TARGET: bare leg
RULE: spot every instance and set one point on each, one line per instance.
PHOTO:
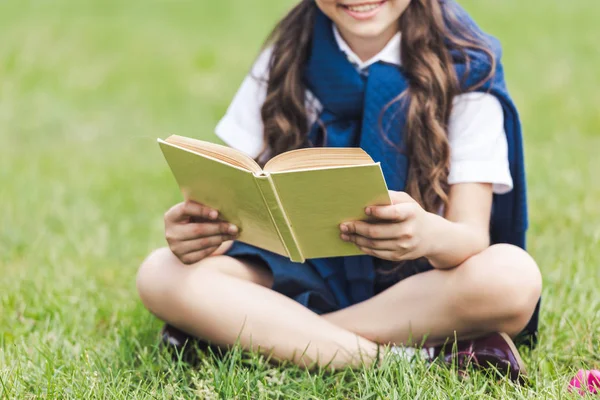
(494, 291)
(224, 300)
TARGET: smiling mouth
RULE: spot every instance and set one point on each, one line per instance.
(363, 7)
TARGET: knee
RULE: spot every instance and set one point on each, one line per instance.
(164, 283)
(151, 281)
(503, 284)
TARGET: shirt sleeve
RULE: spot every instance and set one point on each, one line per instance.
(478, 145)
(242, 127)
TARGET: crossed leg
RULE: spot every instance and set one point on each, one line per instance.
(225, 300)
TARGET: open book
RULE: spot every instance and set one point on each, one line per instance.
(293, 206)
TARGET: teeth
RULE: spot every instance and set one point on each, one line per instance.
(363, 8)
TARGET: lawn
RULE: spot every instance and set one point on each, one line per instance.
(85, 88)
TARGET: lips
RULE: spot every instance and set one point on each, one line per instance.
(363, 7)
(363, 11)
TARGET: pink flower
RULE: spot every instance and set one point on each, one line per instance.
(586, 382)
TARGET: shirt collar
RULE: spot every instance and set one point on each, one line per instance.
(389, 54)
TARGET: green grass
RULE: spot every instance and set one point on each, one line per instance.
(85, 88)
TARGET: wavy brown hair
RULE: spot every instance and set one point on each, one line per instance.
(433, 39)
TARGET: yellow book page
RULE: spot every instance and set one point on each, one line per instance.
(231, 190)
(226, 154)
(317, 201)
(318, 157)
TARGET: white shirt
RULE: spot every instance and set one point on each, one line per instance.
(478, 145)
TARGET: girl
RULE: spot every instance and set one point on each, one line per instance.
(418, 86)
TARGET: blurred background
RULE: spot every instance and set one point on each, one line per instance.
(87, 86)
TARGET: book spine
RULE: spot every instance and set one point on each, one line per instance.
(280, 219)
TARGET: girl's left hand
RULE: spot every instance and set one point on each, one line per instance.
(402, 231)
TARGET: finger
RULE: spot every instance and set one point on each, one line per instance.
(192, 246)
(193, 231)
(371, 230)
(192, 258)
(183, 211)
(375, 244)
(396, 212)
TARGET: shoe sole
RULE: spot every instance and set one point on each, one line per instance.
(513, 348)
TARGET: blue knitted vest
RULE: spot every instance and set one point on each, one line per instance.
(355, 114)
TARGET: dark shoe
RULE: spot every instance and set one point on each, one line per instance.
(496, 351)
(181, 345)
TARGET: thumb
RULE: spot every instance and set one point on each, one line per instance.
(400, 197)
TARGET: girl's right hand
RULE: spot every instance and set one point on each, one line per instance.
(194, 232)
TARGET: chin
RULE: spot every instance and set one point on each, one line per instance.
(366, 31)
(379, 19)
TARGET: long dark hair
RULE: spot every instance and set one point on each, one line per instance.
(431, 34)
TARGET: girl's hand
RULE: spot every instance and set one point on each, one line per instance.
(401, 231)
(194, 232)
